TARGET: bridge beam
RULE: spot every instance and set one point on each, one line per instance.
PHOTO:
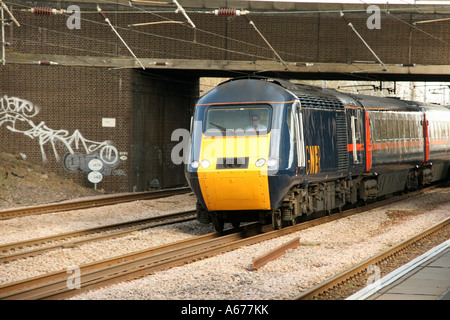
(304, 70)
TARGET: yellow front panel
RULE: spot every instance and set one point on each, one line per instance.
(237, 188)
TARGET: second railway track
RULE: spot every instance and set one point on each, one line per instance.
(325, 289)
(89, 203)
(17, 250)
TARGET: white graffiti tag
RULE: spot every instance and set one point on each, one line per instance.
(16, 113)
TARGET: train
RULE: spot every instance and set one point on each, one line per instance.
(273, 151)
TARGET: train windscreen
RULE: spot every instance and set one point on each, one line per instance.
(242, 120)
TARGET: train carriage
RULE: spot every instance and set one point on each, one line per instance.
(396, 138)
(267, 149)
(436, 121)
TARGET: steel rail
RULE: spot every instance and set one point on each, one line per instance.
(138, 225)
(33, 288)
(361, 268)
(145, 262)
(89, 203)
(135, 265)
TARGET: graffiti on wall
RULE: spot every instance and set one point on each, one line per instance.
(17, 114)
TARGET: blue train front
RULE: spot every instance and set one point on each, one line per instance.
(243, 157)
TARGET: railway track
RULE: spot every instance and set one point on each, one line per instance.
(89, 203)
(322, 289)
(137, 264)
(14, 251)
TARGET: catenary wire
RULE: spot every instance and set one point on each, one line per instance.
(242, 73)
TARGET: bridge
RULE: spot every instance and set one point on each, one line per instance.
(304, 39)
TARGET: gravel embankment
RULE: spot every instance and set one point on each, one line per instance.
(325, 251)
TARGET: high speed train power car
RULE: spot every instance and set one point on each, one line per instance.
(270, 149)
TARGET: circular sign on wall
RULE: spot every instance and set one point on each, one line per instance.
(95, 165)
(95, 177)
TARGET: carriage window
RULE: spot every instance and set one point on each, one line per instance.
(407, 130)
(433, 129)
(384, 132)
(401, 128)
(442, 127)
(390, 129)
(395, 126)
(430, 129)
(242, 120)
(415, 130)
(378, 129)
(372, 128)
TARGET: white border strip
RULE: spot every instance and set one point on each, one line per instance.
(398, 273)
(367, 2)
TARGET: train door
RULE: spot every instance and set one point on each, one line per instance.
(355, 145)
(298, 125)
(426, 138)
(294, 122)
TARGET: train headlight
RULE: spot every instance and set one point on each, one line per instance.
(205, 164)
(272, 162)
(195, 164)
(260, 162)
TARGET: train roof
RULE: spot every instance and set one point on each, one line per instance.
(347, 99)
(386, 103)
(309, 96)
(396, 104)
(325, 98)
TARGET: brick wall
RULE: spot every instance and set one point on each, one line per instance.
(312, 37)
(67, 107)
(72, 110)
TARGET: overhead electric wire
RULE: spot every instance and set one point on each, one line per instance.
(297, 12)
(413, 26)
(204, 31)
(119, 36)
(207, 32)
(218, 35)
(430, 21)
(180, 40)
(365, 43)
(187, 41)
(5, 7)
(90, 39)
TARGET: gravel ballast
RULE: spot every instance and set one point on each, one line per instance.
(325, 250)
